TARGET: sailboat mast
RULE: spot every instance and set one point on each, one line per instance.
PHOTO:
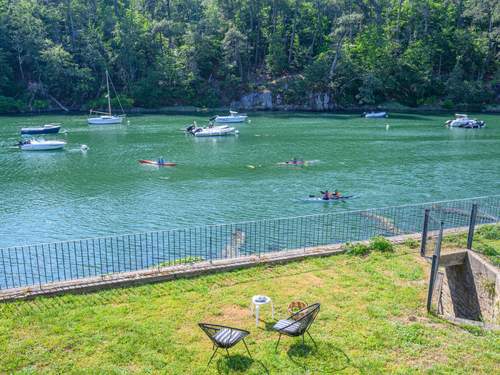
(109, 97)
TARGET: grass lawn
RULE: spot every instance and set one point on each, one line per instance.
(372, 320)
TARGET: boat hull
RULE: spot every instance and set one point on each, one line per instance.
(107, 120)
(377, 115)
(331, 200)
(152, 162)
(34, 131)
(56, 145)
(230, 119)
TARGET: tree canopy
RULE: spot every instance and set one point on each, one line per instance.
(210, 52)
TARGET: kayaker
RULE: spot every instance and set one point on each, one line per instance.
(337, 194)
(327, 195)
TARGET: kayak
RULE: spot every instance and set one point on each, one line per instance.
(331, 200)
(291, 162)
(155, 162)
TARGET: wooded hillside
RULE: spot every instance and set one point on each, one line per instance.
(210, 52)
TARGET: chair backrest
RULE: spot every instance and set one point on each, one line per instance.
(296, 306)
(306, 316)
(212, 329)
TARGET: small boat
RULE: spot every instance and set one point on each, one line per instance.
(46, 129)
(41, 145)
(463, 121)
(233, 117)
(210, 131)
(315, 199)
(106, 118)
(376, 115)
(158, 163)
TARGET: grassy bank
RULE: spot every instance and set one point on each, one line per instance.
(372, 320)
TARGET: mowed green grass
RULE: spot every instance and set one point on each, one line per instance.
(372, 320)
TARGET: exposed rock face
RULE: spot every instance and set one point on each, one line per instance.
(255, 100)
(267, 100)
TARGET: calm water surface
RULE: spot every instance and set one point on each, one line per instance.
(59, 195)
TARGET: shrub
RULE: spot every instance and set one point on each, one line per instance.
(411, 243)
(489, 232)
(381, 244)
(9, 105)
(358, 249)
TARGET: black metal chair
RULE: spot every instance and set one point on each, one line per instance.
(298, 324)
(224, 337)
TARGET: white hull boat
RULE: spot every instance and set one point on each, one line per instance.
(211, 131)
(463, 121)
(376, 115)
(41, 145)
(233, 118)
(105, 120)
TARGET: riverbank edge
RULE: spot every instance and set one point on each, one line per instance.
(180, 110)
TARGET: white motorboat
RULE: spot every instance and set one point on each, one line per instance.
(376, 115)
(106, 118)
(210, 131)
(233, 117)
(41, 145)
(463, 121)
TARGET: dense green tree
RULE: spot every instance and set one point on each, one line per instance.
(210, 52)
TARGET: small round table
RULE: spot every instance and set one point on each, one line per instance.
(257, 303)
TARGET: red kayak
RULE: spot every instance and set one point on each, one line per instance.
(155, 162)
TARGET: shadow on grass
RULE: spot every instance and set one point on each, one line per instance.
(240, 363)
(327, 358)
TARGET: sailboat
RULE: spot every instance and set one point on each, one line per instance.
(106, 118)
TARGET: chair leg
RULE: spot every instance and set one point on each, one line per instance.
(247, 348)
(279, 338)
(312, 339)
(303, 341)
(212, 357)
(227, 351)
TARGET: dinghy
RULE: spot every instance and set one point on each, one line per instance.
(463, 121)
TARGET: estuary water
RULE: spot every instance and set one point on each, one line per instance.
(70, 194)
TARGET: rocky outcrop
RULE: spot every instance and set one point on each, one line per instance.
(267, 100)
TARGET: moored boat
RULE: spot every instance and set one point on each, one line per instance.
(41, 145)
(376, 115)
(106, 118)
(463, 121)
(233, 117)
(45, 129)
(210, 131)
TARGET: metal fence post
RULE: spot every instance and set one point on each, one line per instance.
(472, 225)
(434, 266)
(425, 229)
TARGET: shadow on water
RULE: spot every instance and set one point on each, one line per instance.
(240, 363)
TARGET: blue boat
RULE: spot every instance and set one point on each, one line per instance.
(46, 129)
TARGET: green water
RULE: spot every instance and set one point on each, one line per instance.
(59, 195)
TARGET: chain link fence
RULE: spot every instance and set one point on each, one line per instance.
(39, 264)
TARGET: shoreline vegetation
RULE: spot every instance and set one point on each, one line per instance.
(315, 55)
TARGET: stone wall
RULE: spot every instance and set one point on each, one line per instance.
(469, 290)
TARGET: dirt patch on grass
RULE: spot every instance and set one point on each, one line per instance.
(235, 313)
